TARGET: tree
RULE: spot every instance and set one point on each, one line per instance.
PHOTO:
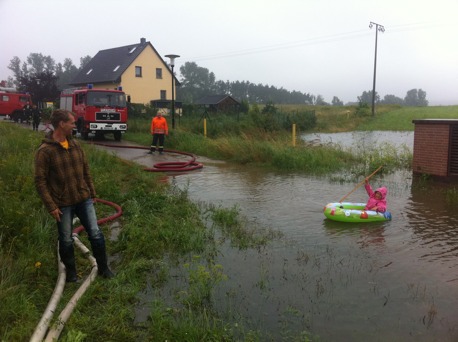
(84, 61)
(366, 97)
(42, 86)
(336, 101)
(196, 82)
(416, 97)
(320, 101)
(65, 73)
(391, 99)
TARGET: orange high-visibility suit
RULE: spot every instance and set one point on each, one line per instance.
(159, 129)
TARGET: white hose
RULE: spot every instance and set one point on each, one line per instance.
(42, 326)
(54, 332)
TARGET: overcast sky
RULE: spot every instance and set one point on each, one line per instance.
(320, 47)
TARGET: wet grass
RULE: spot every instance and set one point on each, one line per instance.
(275, 151)
(161, 228)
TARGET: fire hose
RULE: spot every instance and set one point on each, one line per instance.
(54, 332)
(177, 166)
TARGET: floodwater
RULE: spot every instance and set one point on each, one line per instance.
(362, 138)
(389, 281)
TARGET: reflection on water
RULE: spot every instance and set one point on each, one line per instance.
(362, 138)
(389, 281)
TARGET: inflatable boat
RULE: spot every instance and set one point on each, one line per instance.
(353, 212)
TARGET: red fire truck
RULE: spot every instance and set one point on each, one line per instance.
(12, 103)
(98, 111)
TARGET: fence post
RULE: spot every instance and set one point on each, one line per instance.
(294, 135)
(205, 127)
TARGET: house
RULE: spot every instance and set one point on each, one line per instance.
(138, 68)
(219, 103)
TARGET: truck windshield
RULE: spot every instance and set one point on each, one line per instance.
(106, 98)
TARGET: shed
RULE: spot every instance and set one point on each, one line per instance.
(435, 147)
(219, 103)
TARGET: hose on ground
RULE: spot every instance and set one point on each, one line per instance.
(185, 166)
(54, 332)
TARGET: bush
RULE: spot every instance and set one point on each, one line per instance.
(363, 109)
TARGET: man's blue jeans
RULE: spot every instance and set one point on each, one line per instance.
(85, 211)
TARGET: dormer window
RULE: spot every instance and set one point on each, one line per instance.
(116, 69)
(90, 70)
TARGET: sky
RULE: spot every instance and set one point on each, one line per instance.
(318, 47)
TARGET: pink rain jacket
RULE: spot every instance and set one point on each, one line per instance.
(373, 202)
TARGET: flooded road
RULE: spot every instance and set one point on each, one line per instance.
(331, 281)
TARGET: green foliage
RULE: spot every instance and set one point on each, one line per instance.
(363, 109)
(197, 82)
(451, 196)
(202, 281)
(136, 111)
(241, 234)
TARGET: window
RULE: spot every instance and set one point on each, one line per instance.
(90, 70)
(163, 94)
(117, 67)
(159, 73)
(138, 71)
(132, 50)
(80, 98)
(5, 98)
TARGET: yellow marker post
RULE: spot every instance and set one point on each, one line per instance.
(294, 135)
(205, 127)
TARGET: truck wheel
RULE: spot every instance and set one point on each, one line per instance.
(117, 136)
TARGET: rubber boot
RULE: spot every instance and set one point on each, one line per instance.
(100, 255)
(67, 255)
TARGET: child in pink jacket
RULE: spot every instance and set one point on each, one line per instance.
(377, 198)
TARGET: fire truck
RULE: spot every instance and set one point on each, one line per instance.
(98, 111)
(12, 103)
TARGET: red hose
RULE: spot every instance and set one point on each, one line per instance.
(158, 167)
(166, 166)
(118, 213)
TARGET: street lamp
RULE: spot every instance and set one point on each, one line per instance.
(172, 64)
(380, 28)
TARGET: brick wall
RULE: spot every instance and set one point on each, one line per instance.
(431, 147)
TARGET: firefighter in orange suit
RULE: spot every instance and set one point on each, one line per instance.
(159, 130)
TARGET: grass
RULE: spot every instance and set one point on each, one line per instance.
(274, 150)
(153, 238)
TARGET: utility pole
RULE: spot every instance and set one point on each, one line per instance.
(380, 28)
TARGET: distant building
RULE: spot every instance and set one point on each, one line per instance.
(138, 68)
(219, 103)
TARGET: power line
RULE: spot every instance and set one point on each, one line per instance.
(306, 42)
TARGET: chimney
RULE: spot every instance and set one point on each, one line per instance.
(142, 41)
